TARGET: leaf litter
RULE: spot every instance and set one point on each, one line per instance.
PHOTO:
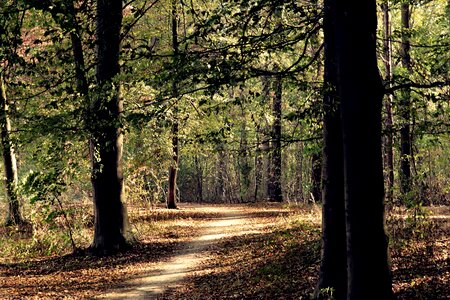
(273, 252)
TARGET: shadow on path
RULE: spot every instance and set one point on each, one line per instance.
(184, 262)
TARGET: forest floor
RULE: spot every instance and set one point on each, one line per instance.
(254, 251)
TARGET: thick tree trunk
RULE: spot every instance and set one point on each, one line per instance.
(173, 170)
(106, 142)
(361, 93)
(276, 193)
(14, 216)
(333, 268)
(388, 142)
(405, 107)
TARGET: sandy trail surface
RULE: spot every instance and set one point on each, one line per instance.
(231, 222)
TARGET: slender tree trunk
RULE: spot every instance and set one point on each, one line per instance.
(333, 268)
(258, 164)
(405, 106)
(78, 54)
(199, 172)
(266, 143)
(220, 187)
(361, 94)
(14, 216)
(171, 195)
(316, 177)
(300, 172)
(388, 145)
(173, 170)
(316, 159)
(243, 162)
(276, 193)
(106, 142)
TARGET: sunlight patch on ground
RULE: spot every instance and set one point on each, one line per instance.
(184, 263)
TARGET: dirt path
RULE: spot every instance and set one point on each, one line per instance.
(233, 222)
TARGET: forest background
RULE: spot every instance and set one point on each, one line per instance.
(216, 102)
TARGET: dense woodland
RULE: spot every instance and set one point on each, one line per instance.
(108, 108)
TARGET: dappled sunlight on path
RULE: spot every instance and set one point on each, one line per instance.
(166, 275)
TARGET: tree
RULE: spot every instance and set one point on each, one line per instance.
(333, 265)
(361, 92)
(10, 30)
(9, 160)
(316, 177)
(106, 142)
(387, 59)
(276, 194)
(173, 170)
(405, 104)
(356, 172)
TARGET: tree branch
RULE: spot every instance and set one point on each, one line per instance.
(391, 90)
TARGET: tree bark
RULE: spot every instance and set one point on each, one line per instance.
(258, 164)
(333, 268)
(405, 106)
(243, 162)
(299, 180)
(266, 145)
(361, 93)
(316, 177)
(77, 49)
(199, 171)
(14, 216)
(276, 194)
(221, 178)
(388, 145)
(173, 170)
(316, 159)
(106, 142)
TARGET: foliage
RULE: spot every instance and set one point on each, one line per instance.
(230, 54)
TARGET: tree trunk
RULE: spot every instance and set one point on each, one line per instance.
(361, 93)
(220, 186)
(243, 162)
(258, 164)
(199, 172)
(77, 49)
(276, 193)
(316, 159)
(299, 180)
(172, 192)
(14, 216)
(388, 142)
(316, 177)
(266, 143)
(106, 141)
(333, 268)
(173, 170)
(405, 107)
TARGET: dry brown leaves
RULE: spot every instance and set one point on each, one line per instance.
(275, 257)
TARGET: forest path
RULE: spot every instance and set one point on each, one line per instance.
(232, 221)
